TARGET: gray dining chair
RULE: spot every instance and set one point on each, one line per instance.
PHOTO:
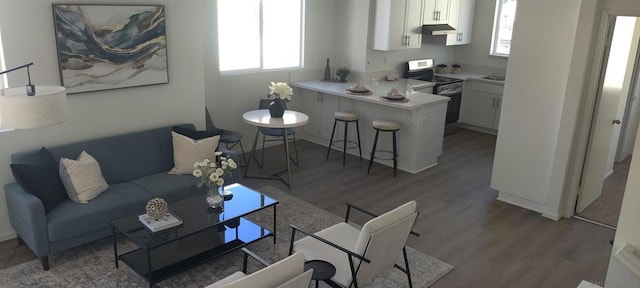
(230, 138)
(276, 134)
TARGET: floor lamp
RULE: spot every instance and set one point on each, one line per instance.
(35, 106)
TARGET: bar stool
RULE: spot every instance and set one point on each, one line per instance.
(346, 118)
(385, 126)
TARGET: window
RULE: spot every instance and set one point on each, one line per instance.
(257, 35)
(3, 77)
(502, 27)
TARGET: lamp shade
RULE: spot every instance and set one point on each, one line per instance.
(19, 111)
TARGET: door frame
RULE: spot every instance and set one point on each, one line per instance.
(629, 105)
(588, 110)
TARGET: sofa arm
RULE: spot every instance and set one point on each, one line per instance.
(28, 219)
(235, 173)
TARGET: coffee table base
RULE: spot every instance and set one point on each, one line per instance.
(155, 265)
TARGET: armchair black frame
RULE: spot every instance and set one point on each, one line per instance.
(350, 253)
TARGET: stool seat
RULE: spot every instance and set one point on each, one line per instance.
(386, 125)
(346, 116)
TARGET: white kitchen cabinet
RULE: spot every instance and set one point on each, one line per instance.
(461, 18)
(481, 104)
(436, 11)
(398, 24)
(320, 108)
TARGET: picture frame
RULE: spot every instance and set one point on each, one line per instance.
(102, 47)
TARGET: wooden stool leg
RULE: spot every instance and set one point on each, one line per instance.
(359, 148)
(373, 151)
(344, 143)
(332, 132)
(395, 155)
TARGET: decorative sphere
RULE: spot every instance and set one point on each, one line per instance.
(157, 208)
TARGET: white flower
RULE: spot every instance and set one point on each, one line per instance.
(218, 153)
(212, 165)
(205, 161)
(214, 177)
(220, 181)
(197, 173)
(219, 171)
(232, 164)
(281, 89)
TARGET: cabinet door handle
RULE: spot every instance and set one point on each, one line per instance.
(498, 102)
(438, 16)
(408, 40)
(435, 13)
(493, 102)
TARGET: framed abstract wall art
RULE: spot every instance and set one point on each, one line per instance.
(104, 47)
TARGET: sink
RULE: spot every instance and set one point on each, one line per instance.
(494, 78)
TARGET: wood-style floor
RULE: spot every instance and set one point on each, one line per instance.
(490, 243)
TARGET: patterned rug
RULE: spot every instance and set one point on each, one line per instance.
(92, 265)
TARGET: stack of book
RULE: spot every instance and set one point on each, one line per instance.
(167, 221)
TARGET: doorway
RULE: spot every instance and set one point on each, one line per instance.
(614, 126)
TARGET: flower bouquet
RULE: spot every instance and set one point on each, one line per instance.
(282, 94)
(211, 174)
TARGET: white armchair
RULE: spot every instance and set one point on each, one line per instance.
(361, 255)
(286, 273)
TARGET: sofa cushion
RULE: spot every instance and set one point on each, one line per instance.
(122, 157)
(196, 135)
(40, 177)
(70, 219)
(187, 151)
(169, 187)
(82, 178)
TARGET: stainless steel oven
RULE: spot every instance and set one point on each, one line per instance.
(445, 86)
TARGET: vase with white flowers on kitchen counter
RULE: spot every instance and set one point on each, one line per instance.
(282, 94)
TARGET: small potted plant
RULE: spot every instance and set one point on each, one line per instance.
(441, 68)
(342, 73)
(455, 68)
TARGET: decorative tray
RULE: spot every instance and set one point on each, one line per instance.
(349, 91)
(403, 99)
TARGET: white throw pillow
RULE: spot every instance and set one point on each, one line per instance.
(187, 151)
(82, 178)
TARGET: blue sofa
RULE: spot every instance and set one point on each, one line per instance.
(135, 166)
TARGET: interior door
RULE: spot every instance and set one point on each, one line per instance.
(604, 124)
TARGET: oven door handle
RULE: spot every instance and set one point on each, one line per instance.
(449, 93)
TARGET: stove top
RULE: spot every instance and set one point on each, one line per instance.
(439, 80)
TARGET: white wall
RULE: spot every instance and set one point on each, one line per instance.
(228, 97)
(475, 56)
(625, 74)
(28, 35)
(540, 102)
(627, 230)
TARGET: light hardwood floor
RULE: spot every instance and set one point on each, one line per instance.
(490, 243)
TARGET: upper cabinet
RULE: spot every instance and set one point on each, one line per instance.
(398, 24)
(436, 11)
(461, 18)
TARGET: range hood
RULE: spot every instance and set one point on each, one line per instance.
(438, 29)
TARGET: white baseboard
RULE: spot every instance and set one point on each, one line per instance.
(585, 284)
(527, 204)
(7, 236)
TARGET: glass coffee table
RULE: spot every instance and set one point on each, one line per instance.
(204, 234)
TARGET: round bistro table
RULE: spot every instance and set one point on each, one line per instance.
(262, 118)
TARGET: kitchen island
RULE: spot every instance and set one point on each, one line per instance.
(421, 119)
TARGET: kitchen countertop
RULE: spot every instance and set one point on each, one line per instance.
(416, 99)
(473, 77)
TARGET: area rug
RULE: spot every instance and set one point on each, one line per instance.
(92, 265)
